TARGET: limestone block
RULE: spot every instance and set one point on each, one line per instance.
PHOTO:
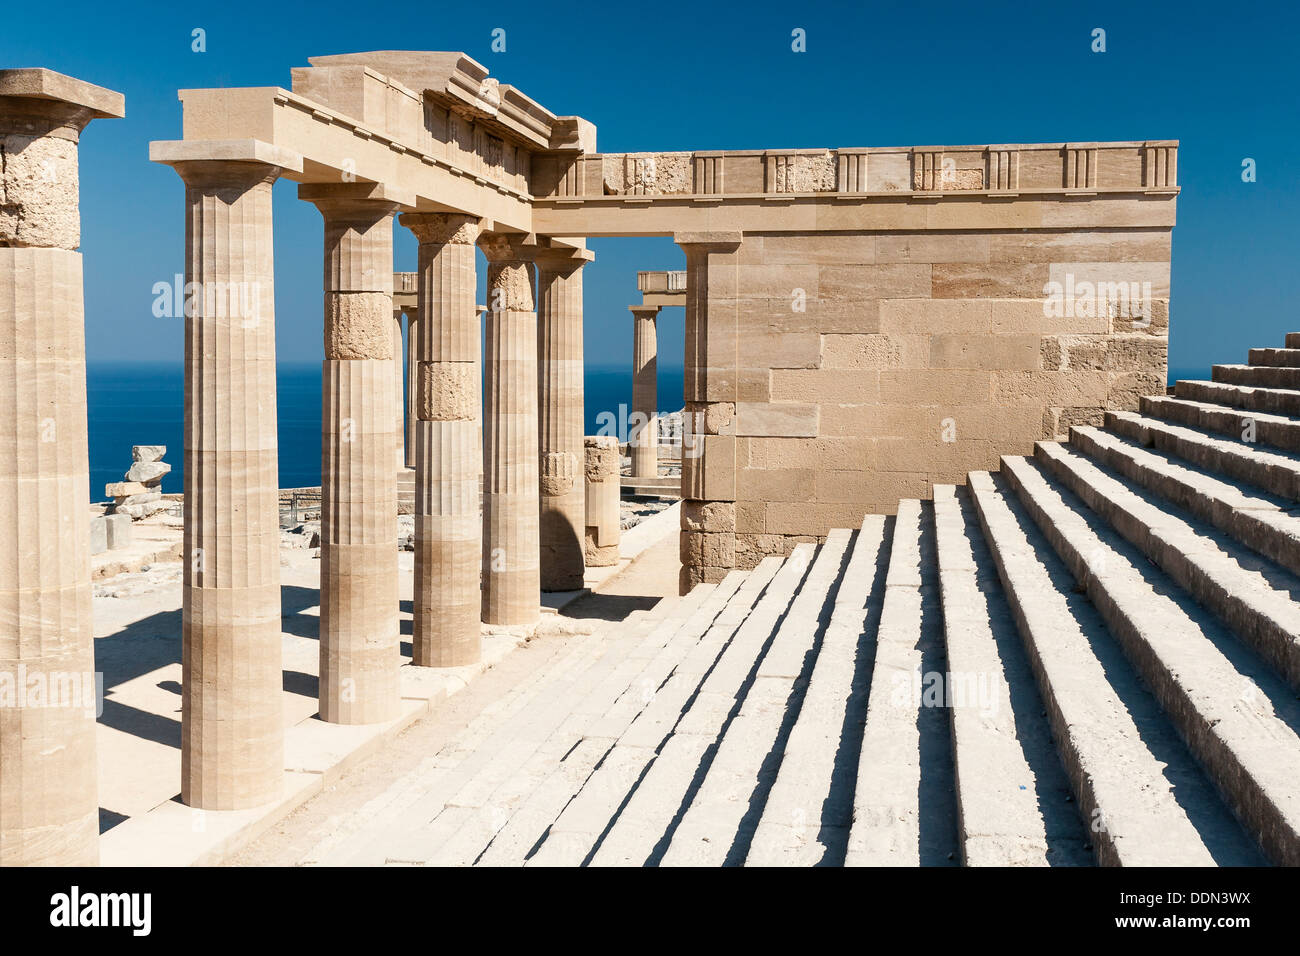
(717, 516)
(98, 535)
(148, 473)
(792, 419)
(718, 417)
(826, 386)
(984, 351)
(120, 530)
(124, 489)
(148, 452)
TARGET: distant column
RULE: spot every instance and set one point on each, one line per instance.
(560, 418)
(644, 441)
(511, 571)
(49, 811)
(232, 715)
(448, 453)
(412, 379)
(399, 379)
(359, 635)
(603, 520)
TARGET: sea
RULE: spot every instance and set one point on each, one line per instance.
(144, 404)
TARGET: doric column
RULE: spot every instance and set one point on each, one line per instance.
(560, 417)
(49, 811)
(232, 715)
(511, 572)
(412, 379)
(359, 635)
(643, 440)
(399, 379)
(448, 454)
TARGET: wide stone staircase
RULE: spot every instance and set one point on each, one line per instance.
(1090, 656)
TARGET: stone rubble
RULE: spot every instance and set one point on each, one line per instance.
(139, 494)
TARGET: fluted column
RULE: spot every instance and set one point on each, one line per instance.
(643, 439)
(49, 811)
(232, 717)
(412, 379)
(399, 379)
(448, 454)
(511, 569)
(359, 634)
(560, 418)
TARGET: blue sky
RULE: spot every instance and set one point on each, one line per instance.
(1220, 78)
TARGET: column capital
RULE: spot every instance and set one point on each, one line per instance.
(506, 247)
(709, 241)
(560, 260)
(225, 163)
(443, 228)
(353, 202)
(644, 311)
(41, 102)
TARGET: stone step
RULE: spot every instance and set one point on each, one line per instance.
(1013, 797)
(904, 808)
(641, 825)
(1293, 340)
(475, 814)
(809, 809)
(1273, 401)
(1142, 797)
(1272, 471)
(1277, 358)
(530, 825)
(549, 730)
(1266, 523)
(388, 803)
(1250, 595)
(695, 701)
(1235, 716)
(1260, 376)
(719, 824)
(1275, 430)
(497, 728)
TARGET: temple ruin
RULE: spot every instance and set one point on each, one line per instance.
(866, 327)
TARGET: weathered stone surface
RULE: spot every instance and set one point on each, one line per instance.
(124, 489)
(448, 391)
(148, 452)
(358, 325)
(148, 472)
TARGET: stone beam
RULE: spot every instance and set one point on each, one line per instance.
(337, 149)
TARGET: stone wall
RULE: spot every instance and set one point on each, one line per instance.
(870, 366)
